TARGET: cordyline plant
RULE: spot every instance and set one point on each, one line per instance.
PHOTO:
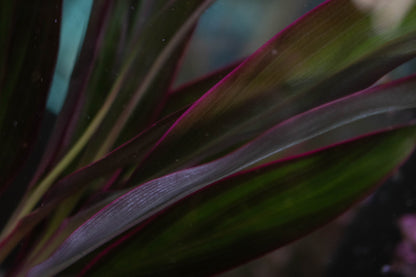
(139, 179)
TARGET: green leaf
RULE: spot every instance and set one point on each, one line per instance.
(59, 141)
(256, 211)
(155, 57)
(145, 73)
(127, 154)
(145, 61)
(332, 51)
(29, 46)
(42, 251)
(146, 200)
(188, 93)
(24, 226)
(306, 138)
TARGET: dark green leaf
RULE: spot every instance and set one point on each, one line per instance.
(29, 45)
(190, 92)
(332, 51)
(142, 75)
(127, 154)
(145, 61)
(58, 143)
(253, 212)
(148, 199)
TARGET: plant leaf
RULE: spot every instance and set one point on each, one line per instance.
(148, 199)
(124, 155)
(59, 140)
(332, 51)
(254, 212)
(176, 33)
(24, 226)
(66, 228)
(188, 93)
(28, 57)
(149, 60)
(129, 153)
(158, 47)
(133, 150)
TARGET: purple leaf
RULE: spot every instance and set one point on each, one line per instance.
(150, 198)
(304, 66)
(253, 212)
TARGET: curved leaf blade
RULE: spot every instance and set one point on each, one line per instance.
(189, 92)
(254, 212)
(63, 128)
(290, 74)
(127, 154)
(144, 77)
(26, 70)
(159, 56)
(150, 198)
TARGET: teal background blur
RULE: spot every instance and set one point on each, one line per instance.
(74, 24)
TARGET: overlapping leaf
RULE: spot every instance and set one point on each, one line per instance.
(29, 46)
(125, 155)
(251, 213)
(188, 93)
(145, 73)
(133, 151)
(305, 65)
(158, 47)
(59, 142)
(148, 199)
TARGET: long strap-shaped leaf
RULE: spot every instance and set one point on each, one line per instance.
(126, 154)
(251, 213)
(134, 149)
(188, 93)
(27, 61)
(57, 144)
(152, 61)
(161, 56)
(331, 51)
(150, 198)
